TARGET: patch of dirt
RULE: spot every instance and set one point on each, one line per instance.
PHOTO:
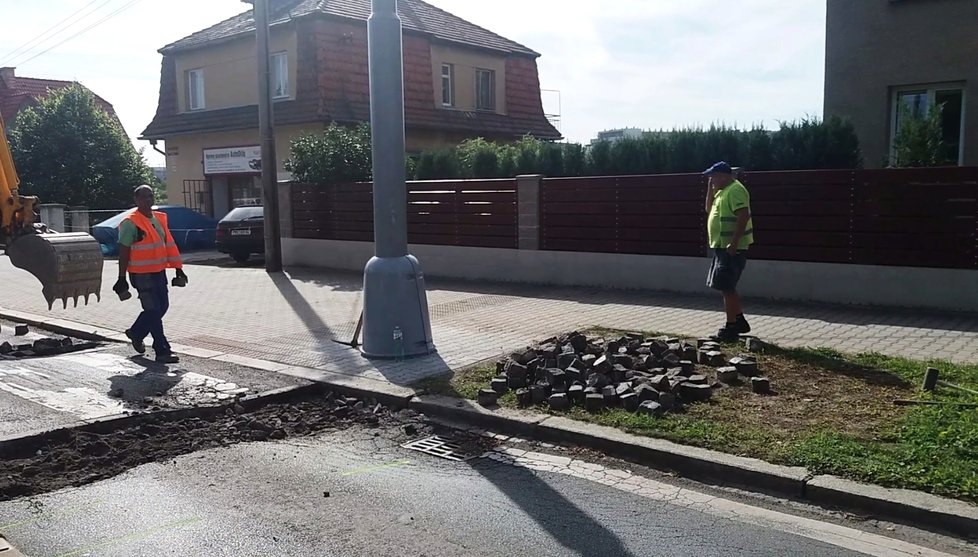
(83, 458)
(807, 397)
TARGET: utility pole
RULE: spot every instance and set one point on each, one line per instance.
(266, 130)
(396, 323)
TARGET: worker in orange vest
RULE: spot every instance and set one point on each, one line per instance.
(146, 250)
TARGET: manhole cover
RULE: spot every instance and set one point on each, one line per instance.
(440, 447)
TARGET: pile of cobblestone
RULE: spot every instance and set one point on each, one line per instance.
(650, 376)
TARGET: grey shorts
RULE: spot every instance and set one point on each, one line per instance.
(726, 270)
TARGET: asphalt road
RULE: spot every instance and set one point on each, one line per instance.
(358, 493)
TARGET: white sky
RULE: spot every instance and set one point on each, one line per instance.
(617, 63)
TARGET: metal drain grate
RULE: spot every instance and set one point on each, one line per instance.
(440, 447)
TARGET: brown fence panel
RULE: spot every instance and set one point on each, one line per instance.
(656, 215)
(338, 212)
(916, 217)
(907, 217)
(478, 213)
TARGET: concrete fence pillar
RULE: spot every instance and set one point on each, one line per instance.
(528, 210)
(80, 220)
(285, 209)
(53, 215)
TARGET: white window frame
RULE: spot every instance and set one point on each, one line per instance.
(492, 89)
(931, 90)
(196, 102)
(448, 78)
(280, 75)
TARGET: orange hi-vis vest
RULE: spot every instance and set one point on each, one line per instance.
(152, 254)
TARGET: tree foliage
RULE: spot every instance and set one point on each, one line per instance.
(338, 155)
(67, 149)
(919, 143)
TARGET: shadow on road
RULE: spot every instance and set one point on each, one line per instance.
(154, 380)
(568, 525)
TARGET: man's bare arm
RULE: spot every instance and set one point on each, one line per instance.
(123, 260)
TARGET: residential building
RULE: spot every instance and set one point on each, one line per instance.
(617, 135)
(460, 81)
(882, 55)
(18, 93)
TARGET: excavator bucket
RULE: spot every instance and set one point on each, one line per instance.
(68, 265)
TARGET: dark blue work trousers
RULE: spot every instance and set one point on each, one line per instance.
(154, 297)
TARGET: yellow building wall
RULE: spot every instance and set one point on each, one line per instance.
(230, 70)
(185, 154)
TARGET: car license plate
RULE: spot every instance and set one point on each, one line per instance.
(242, 232)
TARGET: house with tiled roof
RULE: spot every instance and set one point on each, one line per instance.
(18, 93)
(460, 81)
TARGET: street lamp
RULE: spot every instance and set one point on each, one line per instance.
(395, 304)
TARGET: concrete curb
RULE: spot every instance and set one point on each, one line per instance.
(909, 507)
(63, 327)
(913, 508)
(22, 446)
(7, 549)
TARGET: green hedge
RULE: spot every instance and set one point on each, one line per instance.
(343, 154)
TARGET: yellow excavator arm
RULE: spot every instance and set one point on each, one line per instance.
(69, 265)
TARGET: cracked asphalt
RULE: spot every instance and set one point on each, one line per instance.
(357, 492)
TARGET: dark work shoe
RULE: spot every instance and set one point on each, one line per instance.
(167, 358)
(741, 326)
(728, 334)
(137, 345)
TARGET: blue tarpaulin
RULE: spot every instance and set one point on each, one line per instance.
(190, 229)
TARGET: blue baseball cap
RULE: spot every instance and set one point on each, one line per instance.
(718, 168)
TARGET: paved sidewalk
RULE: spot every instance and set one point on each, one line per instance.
(292, 319)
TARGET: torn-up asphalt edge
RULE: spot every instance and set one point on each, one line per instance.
(22, 446)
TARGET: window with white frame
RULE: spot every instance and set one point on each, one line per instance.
(485, 89)
(917, 101)
(447, 85)
(280, 75)
(195, 89)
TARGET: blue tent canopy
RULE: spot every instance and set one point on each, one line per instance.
(190, 229)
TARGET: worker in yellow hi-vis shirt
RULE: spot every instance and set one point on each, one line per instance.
(731, 232)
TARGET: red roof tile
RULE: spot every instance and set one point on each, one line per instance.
(18, 92)
(416, 16)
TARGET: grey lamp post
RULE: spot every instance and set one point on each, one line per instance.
(395, 304)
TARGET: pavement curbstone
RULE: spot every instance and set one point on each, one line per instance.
(692, 462)
(904, 506)
(914, 508)
(451, 409)
(7, 549)
(389, 394)
(61, 326)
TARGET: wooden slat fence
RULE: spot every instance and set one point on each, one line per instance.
(476, 213)
(904, 217)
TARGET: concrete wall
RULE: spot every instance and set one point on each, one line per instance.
(874, 46)
(230, 74)
(817, 282)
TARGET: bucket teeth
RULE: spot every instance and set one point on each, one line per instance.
(68, 265)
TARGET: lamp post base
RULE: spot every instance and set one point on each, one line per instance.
(396, 323)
